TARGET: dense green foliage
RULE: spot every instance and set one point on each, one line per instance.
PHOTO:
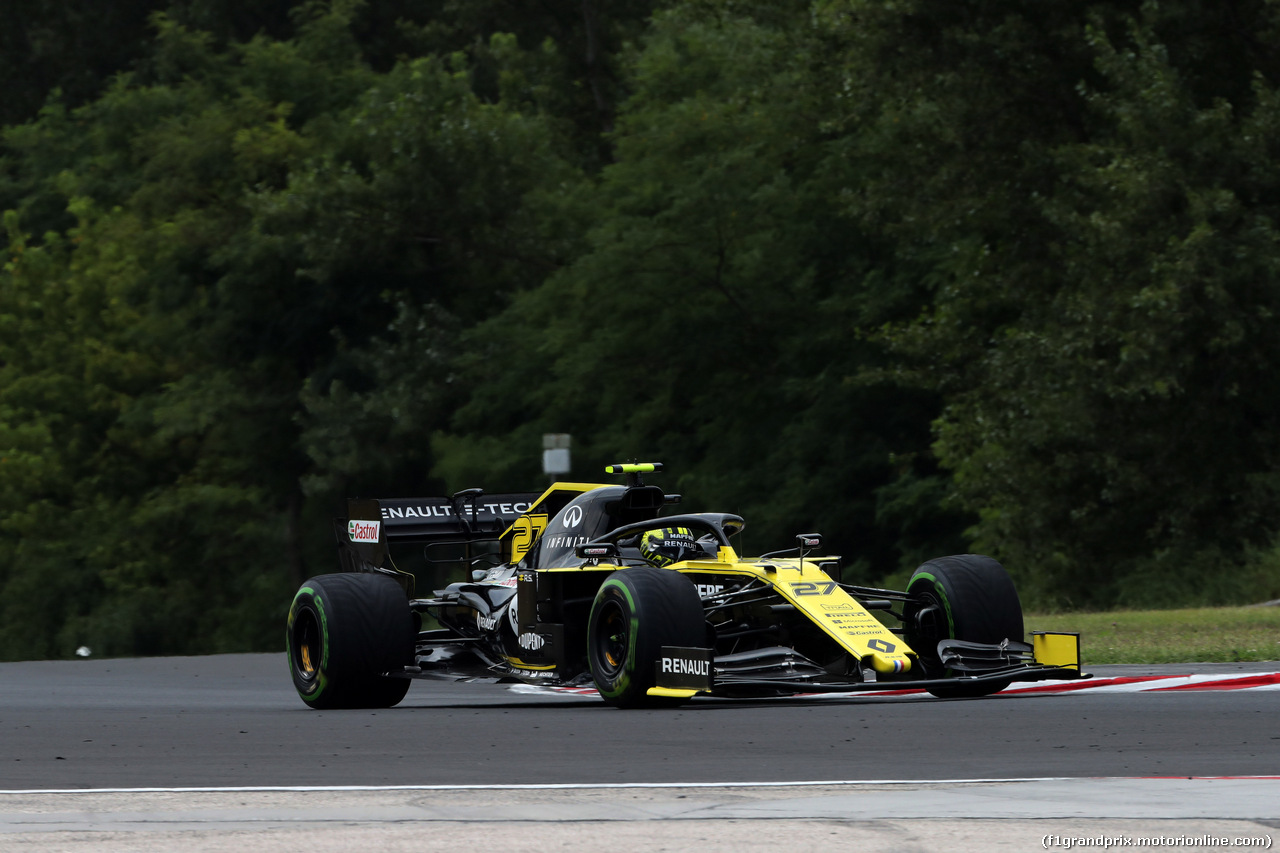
(926, 276)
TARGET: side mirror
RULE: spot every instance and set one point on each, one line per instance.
(807, 542)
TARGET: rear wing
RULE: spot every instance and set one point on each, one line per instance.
(516, 520)
(468, 516)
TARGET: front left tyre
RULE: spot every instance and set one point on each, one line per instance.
(345, 632)
(636, 612)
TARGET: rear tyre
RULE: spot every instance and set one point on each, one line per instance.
(966, 597)
(636, 612)
(345, 631)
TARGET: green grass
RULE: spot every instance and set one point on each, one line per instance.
(1226, 634)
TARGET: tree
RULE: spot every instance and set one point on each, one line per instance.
(1086, 195)
(268, 215)
(428, 210)
(74, 47)
(165, 449)
(712, 320)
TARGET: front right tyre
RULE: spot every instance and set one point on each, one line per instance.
(345, 632)
(966, 597)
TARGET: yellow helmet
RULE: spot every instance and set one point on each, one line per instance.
(669, 545)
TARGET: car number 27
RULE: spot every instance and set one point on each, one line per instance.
(815, 588)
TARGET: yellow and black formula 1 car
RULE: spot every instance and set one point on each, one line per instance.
(593, 584)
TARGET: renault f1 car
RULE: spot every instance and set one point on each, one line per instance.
(598, 584)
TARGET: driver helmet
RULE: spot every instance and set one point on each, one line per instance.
(669, 545)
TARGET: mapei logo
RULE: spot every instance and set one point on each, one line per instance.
(572, 517)
(364, 531)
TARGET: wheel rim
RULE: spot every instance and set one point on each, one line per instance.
(612, 640)
(306, 644)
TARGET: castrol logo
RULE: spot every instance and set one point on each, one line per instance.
(364, 531)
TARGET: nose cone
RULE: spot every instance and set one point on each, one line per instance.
(889, 663)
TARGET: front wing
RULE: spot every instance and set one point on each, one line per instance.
(781, 671)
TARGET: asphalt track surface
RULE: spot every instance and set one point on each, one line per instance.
(234, 720)
(748, 775)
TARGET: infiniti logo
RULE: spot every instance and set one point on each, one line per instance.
(572, 516)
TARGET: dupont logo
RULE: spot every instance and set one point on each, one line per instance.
(364, 531)
(531, 641)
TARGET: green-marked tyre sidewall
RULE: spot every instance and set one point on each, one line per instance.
(940, 591)
(310, 689)
(617, 686)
